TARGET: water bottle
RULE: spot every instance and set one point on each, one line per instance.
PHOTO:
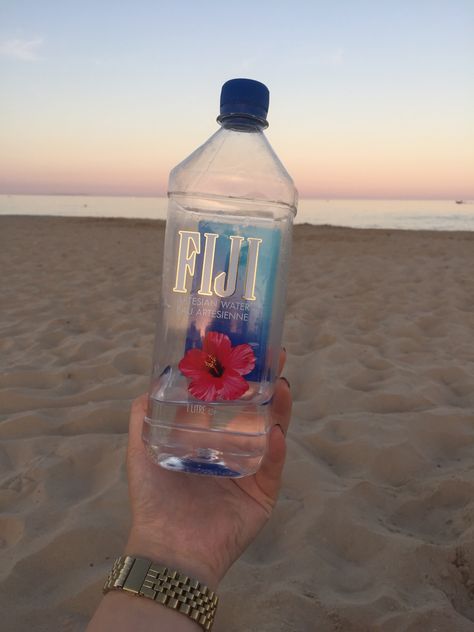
(226, 259)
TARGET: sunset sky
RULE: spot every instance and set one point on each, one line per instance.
(367, 98)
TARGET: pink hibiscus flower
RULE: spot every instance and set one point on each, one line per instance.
(216, 370)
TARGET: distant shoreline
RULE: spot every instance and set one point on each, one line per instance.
(444, 215)
(465, 200)
(303, 230)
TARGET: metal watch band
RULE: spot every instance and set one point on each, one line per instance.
(166, 586)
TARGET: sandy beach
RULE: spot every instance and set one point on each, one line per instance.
(374, 529)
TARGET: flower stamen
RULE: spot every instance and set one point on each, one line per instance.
(214, 366)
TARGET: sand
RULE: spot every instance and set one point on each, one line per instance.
(374, 529)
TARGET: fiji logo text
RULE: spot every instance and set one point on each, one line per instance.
(223, 284)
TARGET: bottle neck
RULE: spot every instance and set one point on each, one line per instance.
(242, 123)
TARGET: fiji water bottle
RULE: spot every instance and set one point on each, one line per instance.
(227, 253)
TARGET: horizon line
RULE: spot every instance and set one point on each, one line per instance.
(301, 197)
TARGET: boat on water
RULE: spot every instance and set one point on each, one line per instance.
(459, 201)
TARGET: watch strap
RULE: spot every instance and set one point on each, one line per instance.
(166, 586)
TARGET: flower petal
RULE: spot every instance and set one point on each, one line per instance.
(233, 385)
(204, 388)
(193, 364)
(242, 359)
(218, 345)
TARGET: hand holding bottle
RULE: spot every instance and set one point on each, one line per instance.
(201, 525)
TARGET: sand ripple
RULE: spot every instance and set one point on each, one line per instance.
(374, 530)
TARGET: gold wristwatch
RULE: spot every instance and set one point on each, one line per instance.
(166, 586)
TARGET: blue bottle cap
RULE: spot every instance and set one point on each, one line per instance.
(246, 98)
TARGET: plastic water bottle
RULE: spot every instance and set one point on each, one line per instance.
(226, 259)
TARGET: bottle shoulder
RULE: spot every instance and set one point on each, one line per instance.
(235, 164)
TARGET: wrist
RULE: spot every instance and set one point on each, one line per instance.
(140, 544)
(155, 582)
(120, 611)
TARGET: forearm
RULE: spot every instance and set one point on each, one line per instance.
(121, 612)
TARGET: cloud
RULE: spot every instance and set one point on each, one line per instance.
(22, 49)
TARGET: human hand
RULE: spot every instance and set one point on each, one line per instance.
(198, 524)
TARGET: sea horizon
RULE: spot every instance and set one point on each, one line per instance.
(383, 213)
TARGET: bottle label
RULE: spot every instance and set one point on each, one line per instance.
(229, 302)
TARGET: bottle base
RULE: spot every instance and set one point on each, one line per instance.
(203, 452)
(190, 465)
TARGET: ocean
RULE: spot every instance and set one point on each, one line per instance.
(395, 214)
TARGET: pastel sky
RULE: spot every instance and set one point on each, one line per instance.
(369, 98)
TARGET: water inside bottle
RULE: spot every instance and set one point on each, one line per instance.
(214, 439)
(182, 431)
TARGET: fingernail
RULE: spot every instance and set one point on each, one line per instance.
(284, 378)
(281, 428)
